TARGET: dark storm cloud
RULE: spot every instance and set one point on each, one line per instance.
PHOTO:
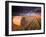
(28, 11)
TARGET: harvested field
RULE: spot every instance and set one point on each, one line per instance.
(26, 23)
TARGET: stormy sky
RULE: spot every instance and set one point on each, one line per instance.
(26, 11)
